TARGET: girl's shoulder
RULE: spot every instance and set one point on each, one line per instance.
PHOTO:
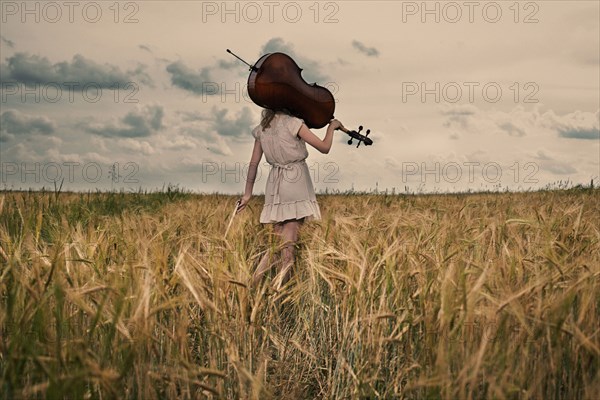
(256, 131)
(291, 123)
(281, 123)
(287, 117)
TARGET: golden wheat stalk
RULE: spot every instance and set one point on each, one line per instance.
(233, 213)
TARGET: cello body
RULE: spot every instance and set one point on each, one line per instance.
(276, 82)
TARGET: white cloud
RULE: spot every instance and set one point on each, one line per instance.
(520, 122)
(136, 146)
(575, 125)
(142, 122)
(18, 123)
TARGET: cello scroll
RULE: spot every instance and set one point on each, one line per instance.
(358, 136)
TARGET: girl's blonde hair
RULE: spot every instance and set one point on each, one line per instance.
(267, 117)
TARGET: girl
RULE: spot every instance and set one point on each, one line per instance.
(289, 194)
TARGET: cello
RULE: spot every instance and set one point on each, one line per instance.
(275, 82)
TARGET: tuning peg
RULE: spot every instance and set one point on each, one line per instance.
(359, 142)
(360, 128)
(350, 141)
(368, 131)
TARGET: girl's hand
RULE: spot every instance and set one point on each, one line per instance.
(243, 202)
(335, 124)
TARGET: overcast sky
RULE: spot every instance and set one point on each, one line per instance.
(457, 95)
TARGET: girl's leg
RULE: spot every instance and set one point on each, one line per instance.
(266, 262)
(289, 236)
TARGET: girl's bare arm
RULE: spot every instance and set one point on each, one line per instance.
(322, 145)
(257, 153)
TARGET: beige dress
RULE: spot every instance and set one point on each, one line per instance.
(289, 193)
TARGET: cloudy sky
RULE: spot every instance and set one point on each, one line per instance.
(457, 95)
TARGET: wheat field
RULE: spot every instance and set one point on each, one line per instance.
(140, 296)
